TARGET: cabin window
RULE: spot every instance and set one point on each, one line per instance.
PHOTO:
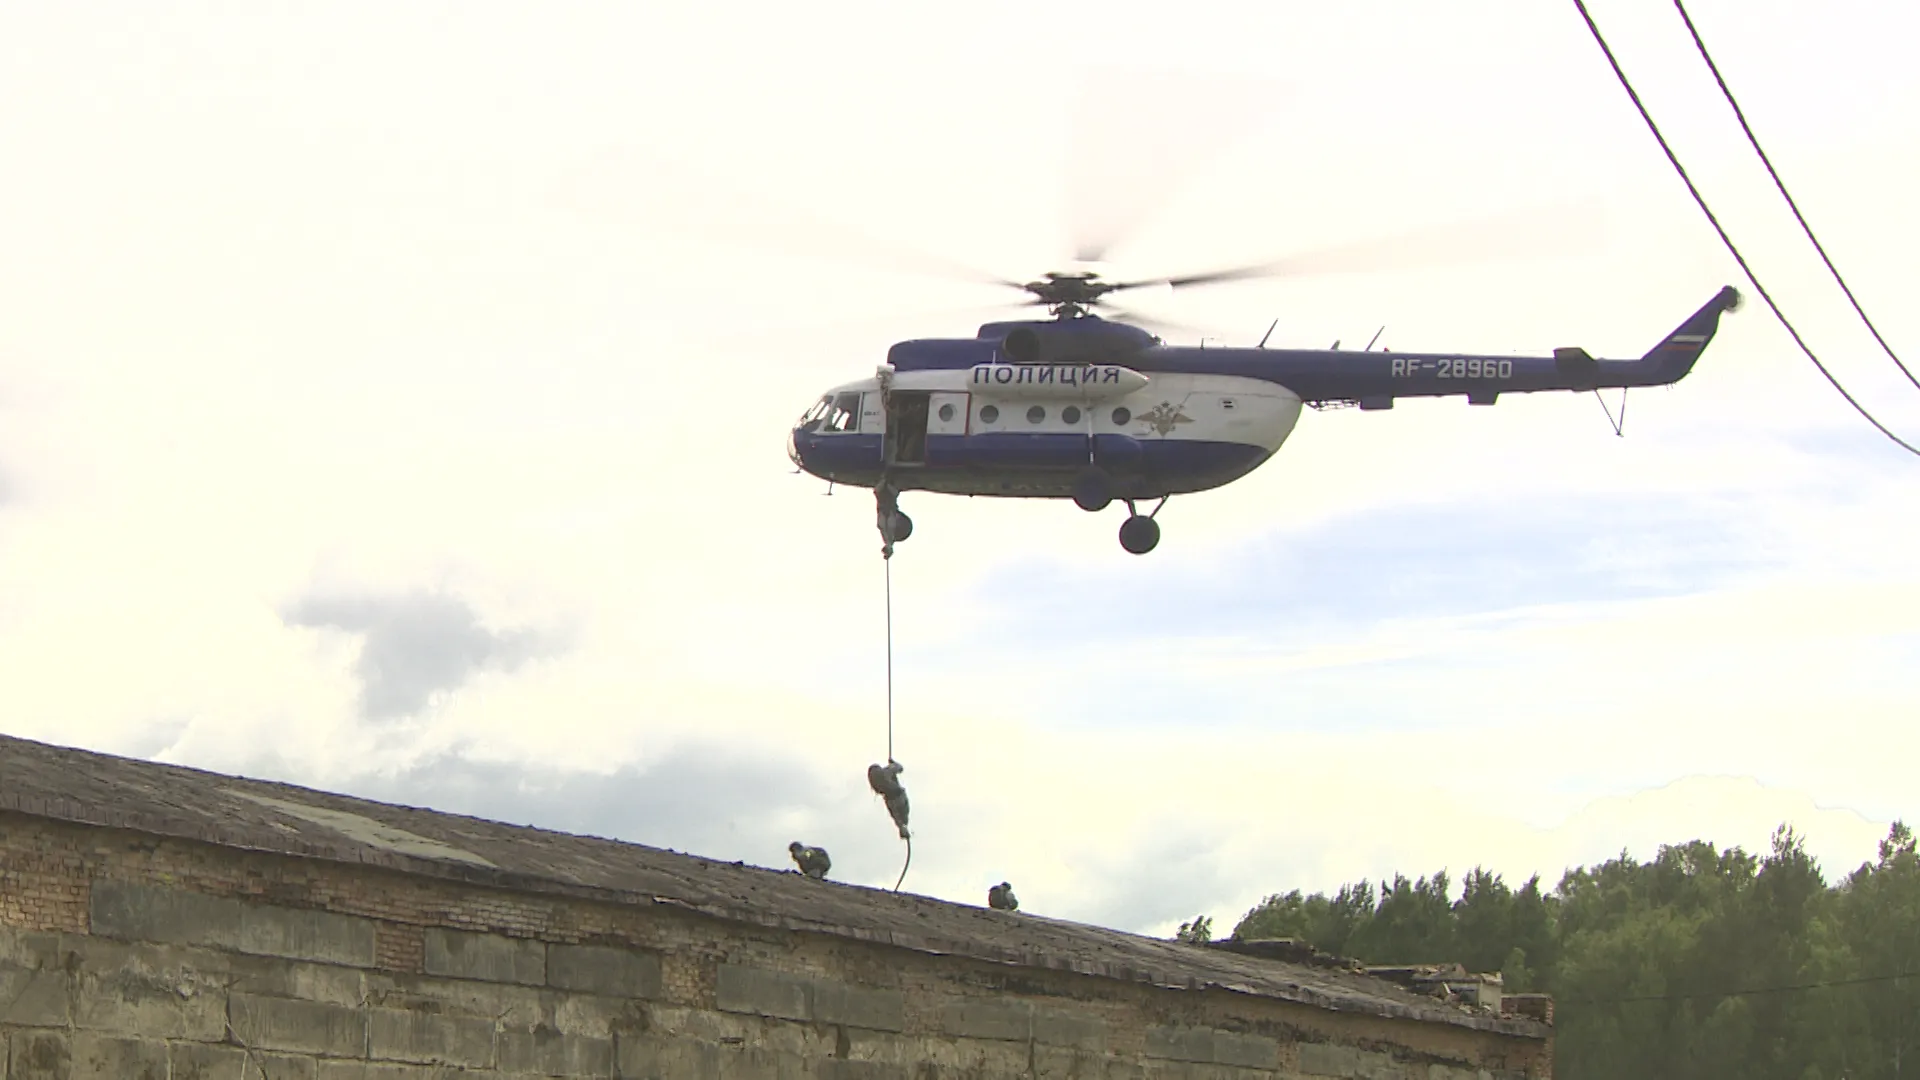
(946, 413)
(845, 413)
(1036, 414)
(1121, 416)
(1070, 414)
(989, 413)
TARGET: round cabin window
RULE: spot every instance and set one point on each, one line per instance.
(1121, 415)
(989, 413)
(946, 413)
(1070, 414)
(1036, 414)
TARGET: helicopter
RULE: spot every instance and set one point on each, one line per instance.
(1099, 410)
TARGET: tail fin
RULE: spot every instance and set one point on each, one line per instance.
(1675, 356)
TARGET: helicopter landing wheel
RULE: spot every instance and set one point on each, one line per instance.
(1139, 534)
(894, 526)
(1092, 490)
(902, 527)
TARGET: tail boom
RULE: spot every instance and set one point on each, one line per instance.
(1373, 380)
(1663, 365)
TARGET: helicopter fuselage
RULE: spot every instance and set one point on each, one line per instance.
(1096, 411)
(998, 430)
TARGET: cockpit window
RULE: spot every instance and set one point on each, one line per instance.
(810, 420)
(844, 414)
(835, 413)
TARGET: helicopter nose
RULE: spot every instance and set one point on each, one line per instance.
(793, 448)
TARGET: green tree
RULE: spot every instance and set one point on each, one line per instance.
(1879, 917)
(1282, 915)
(1775, 925)
(1534, 950)
(1483, 921)
(1413, 924)
(1700, 963)
(1327, 923)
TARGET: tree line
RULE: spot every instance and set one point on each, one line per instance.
(1699, 963)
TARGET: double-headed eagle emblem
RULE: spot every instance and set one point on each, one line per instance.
(1163, 417)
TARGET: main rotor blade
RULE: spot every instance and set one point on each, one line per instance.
(1551, 231)
(1139, 136)
(715, 210)
(812, 334)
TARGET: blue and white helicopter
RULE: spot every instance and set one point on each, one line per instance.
(1097, 410)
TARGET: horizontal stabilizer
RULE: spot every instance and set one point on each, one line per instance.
(1577, 365)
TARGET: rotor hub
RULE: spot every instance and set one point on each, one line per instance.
(1069, 295)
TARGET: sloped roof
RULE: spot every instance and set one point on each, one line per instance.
(79, 787)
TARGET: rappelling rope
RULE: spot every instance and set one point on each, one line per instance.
(889, 566)
(891, 510)
(908, 839)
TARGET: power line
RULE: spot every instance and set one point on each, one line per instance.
(1724, 238)
(1751, 992)
(1781, 184)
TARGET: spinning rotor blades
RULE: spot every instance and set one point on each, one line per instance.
(1138, 137)
(1134, 140)
(727, 211)
(1539, 232)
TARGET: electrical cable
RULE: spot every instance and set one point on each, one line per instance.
(1727, 240)
(1751, 992)
(1741, 115)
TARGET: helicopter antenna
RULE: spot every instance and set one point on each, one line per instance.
(1376, 337)
(1268, 334)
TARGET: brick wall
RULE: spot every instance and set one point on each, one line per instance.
(131, 957)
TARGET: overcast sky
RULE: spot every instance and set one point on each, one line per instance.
(393, 398)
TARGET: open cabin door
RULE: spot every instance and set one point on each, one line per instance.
(904, 443)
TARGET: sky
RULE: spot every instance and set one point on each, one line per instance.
(393, 400)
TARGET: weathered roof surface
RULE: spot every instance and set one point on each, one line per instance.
(85, 788)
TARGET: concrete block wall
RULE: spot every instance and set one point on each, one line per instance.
(129, 957)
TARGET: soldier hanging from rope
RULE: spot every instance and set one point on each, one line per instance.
(885, 782)
(886, 514)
